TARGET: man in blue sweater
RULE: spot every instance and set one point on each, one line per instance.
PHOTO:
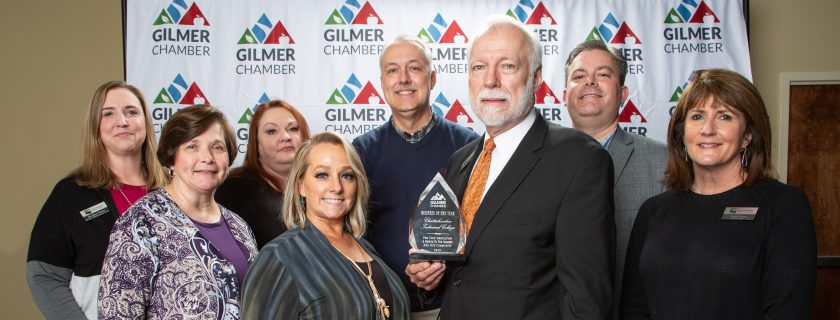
(403, 155)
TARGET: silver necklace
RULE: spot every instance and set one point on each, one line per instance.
(121, 192)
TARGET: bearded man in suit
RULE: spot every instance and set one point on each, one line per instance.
(536, 197)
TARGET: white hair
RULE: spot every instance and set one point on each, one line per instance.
(409, 39)
(498, 20)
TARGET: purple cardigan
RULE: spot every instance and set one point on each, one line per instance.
(159, 266)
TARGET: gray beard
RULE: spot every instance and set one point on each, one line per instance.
(520, 108)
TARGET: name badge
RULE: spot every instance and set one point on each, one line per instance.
(739, 213)
(94, 211)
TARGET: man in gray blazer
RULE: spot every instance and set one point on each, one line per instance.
(594, 89)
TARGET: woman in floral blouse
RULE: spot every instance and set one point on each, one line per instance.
(177, 253)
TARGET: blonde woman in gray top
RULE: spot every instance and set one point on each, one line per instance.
(321, 268)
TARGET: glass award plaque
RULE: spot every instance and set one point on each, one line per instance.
(436, 229)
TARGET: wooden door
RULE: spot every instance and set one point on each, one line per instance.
(814, 166)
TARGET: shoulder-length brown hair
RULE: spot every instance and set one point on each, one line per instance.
(252, 154)
(734, 91)
(294, 213)
(94, 171)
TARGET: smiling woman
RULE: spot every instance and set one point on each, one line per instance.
(727, 241)
(321, 268)
(255, 190)
(71, 233)
(185, 253)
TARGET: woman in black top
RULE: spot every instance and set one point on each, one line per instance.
(255, 190)
(321, 268)
(70, 235)
(727, 241)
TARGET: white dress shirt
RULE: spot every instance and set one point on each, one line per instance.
(506, 144)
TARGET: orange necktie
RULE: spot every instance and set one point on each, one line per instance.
(475, 187)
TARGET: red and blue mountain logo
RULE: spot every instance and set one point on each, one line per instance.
(631, 114)
(690, 11)
(613, 32)
(528, 13)
(544, 95)
(453, 112)
(179, 92)
(351, 12)
(178, 12)
(354, 93)
(439, 31)
(265, 32)
(249, 112)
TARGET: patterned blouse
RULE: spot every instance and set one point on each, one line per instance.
(158, 266)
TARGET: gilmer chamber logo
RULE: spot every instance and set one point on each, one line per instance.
(542, 22)
(453, 111)
(353, 29)
(631, 119)
(675, 97)
(691, 28)
(265, 48)
(244, 123)
(447, 45)
(619, 35)
(354, 109)
(548, 103)
(173, 97)
(181, 29)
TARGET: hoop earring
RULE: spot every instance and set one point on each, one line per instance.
(171, 172)
(745, 162)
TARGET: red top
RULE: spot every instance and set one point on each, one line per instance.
(128, 196)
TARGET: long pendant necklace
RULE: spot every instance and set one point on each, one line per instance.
(383, 310)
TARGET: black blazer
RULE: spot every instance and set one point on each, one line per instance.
(542, 242)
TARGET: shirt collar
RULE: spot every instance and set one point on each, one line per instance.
(608, 139)
(419, 134)
(508, 141)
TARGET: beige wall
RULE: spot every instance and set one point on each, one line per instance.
(54, 55)
(791, 36)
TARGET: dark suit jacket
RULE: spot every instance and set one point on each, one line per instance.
(639, 164)
(542, 242)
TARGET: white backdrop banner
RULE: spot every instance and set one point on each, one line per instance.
(322, 55)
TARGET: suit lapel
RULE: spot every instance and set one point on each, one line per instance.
(516, 169)
(465, 169)
(620, 150)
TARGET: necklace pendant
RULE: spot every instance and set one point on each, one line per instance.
(383, 308)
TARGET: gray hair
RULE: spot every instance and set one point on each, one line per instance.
(409, 39)
(498, 20)
(617, 57)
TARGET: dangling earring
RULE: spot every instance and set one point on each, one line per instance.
(171, 172)
(303, 203)
(745, 162)
(685, 150)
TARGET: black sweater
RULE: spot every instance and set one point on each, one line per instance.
(64, 246)
(685, 261)
(253, 199)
